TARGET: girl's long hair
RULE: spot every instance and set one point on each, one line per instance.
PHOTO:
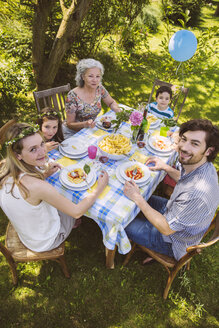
(49, 115)
(11, 166)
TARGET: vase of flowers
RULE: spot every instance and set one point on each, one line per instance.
(136, 119)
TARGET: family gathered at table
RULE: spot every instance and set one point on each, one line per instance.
(56, 172)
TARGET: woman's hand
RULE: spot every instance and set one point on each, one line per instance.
(131, 190)
(52, 168)
(51, 145)
(89, 124)
(102, 180)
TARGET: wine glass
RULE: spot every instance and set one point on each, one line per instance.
(142, 106)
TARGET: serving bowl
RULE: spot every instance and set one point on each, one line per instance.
(115, 157)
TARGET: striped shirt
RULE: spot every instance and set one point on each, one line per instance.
(191, 207)
(153, 109)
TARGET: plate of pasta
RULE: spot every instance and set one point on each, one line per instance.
(160, 143)
(142, 172)
(125, 170)
(115, 146)
(153, 120)
(72, 177)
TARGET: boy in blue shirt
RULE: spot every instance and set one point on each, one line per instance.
(160, 108)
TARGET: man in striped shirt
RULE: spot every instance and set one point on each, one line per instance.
(169, 227)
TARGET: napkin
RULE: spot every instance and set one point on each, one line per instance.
(104, 192)
(139, 157)
(65, 161)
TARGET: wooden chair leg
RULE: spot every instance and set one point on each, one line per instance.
(169, 283)
(14, 272)
(188, 265)
(63, 265)
(129, 255)
(11, 263)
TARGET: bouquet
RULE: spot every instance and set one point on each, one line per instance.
(136, 119)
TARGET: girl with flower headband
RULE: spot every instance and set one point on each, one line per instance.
(51, 126)
(42, 217)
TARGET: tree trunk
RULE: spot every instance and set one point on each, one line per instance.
(46, 66)
(217, 10)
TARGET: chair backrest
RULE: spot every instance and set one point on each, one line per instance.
(179, 94)
(54, 97)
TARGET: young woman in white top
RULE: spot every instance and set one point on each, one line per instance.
(41, 216)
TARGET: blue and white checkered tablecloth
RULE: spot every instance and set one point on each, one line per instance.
(113, 211)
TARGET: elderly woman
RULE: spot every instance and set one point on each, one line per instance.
(83, 103)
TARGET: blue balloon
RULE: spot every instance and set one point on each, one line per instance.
(182, 45)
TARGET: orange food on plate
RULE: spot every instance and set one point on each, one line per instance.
(161, 144)
(76, 176)
(137, 176)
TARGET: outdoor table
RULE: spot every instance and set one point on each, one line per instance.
(112, 211)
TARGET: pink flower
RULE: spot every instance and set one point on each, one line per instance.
(136, 118)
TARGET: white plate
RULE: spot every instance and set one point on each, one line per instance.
(99, 122)
(120, 178)
(62, 152)
(155, 123)
(78, 188)
(157, 153)
(165, 140)
(74, 147)
(64, 176)
(144, 168)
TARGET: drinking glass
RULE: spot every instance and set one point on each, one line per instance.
(92, 152)
(141, 106)
(141, 141)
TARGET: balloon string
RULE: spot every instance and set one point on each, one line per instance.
(178, 68)
(182, 72)
(182, 76)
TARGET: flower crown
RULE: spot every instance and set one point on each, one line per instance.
(26, 131)
(50, 113)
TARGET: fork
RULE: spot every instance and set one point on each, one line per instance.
(85, 180)
(134, 172)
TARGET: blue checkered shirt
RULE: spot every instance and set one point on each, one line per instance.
(191, 207)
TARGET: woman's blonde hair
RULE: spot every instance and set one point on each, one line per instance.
(11, 166)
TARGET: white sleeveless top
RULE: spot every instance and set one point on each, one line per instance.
(37, 226)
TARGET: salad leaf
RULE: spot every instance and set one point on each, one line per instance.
(169, 122)
(86, 169)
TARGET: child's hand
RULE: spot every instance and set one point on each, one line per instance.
(51, 145)
(52, 168)
(103, 180)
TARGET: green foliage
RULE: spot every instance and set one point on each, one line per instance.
(122, 116)
(16, 74)
(104, 17)
(174, 9)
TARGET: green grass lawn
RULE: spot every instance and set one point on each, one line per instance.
(126, 297)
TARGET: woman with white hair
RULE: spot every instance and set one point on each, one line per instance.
(83, 103)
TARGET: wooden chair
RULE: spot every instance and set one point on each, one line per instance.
(170, 264)
(16, 252)
(180, 92)
(54, 97)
